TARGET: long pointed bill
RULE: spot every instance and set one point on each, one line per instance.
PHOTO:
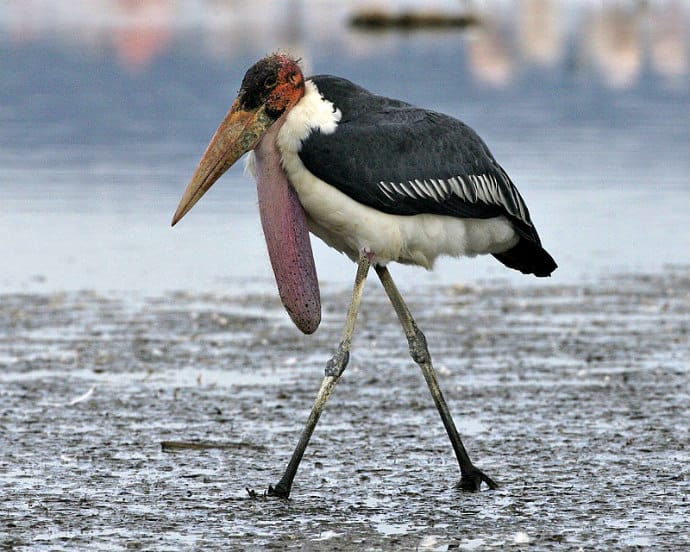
(282, 215)
(239, 132)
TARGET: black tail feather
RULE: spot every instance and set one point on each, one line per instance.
(529, 258)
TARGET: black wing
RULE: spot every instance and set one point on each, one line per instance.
(403, 160)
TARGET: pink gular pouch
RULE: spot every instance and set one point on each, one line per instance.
(284, 224)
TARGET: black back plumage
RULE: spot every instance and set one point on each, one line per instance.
(403, 160)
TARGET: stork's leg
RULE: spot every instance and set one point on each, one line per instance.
(471, 477)
(334, 369)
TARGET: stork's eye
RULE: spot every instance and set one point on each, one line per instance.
(270, 81)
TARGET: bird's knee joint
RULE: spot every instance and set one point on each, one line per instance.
(418, 347)
(338, 362)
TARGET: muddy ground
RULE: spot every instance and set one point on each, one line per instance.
(575, 399)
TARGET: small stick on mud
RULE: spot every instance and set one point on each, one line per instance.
(176, 446)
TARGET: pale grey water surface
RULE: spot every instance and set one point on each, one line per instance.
(118, 332)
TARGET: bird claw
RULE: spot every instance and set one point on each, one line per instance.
(472, 480)
(253, 494)
(272, 491)
(278, 491)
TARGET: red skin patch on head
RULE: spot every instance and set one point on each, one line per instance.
(289, 85)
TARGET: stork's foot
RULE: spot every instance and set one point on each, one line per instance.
(472, 480)
(279, 491)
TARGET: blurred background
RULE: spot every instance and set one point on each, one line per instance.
(107, 105)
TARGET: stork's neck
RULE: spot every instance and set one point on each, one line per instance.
(312, 113)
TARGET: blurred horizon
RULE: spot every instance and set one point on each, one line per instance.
(619, 41)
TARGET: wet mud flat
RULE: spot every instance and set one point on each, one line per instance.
(137, 423)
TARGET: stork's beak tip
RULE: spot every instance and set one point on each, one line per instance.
(239, 132)
(177, 216)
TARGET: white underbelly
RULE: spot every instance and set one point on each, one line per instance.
(351, 227)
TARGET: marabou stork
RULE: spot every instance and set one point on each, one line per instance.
(377, 179)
